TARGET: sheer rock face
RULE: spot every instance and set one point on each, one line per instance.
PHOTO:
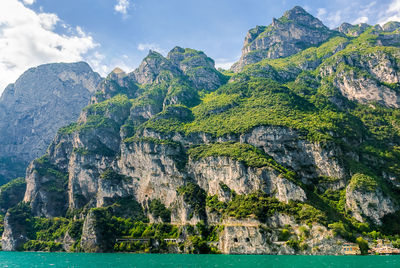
(254, 237)
(156, 171)
(41, 101)
(293, 32)
(14, 235)
(365, 77)
(210, 173)
(352, 30)
(95, 236)
(371, 204)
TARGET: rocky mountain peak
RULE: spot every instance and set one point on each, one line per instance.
(152, 65)
(391, 26)
(177, 49)
(180, 62)
(293, 32)
(117, 70)
(300, 15)
(117, 74)
(352, 30)
(42, 100)
(185, 58)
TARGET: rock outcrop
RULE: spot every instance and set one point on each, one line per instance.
(365, 76)
(15, 228)
(293, 32)
(353, 30)
(95, 235)
(366, 199)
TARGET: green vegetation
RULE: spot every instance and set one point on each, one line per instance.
(265, 102)
(135, 139)
(1, 224)
(248, 154)
(102, 115)
(262, 206)
(363, 182)
(158, 209)
(292, 64)
(37, 245)
(194, 197)
(112, 176)
(16, 165)
(11, 194)
(284, 235)
(363, 244)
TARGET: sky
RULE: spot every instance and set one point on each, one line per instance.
(119, 33)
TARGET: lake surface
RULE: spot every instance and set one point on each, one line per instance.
(33, 259)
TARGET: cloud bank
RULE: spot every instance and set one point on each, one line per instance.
(151, 46)
(28, 39)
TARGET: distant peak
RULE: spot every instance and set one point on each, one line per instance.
(117, 70)
(296, 11)
(177, 49)
(153, 52)
(153, 55)
(301, 16)
(391, 26)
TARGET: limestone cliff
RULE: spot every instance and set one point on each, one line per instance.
(32, 109)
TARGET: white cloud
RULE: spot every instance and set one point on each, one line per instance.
(321, 12)
(27, 39)
(122, 6)
(392, 13)
(29, 2)
(335, 18)
(363, 19)
(224, 65)
(355, 11)
(151, 46)
(48, 21)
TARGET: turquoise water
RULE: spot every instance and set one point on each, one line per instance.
(33, 259)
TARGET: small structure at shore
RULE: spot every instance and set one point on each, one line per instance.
(384, 248)
(173, 240)
(351, 249)
(131, 239)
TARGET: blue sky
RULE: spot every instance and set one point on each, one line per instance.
(110, 33)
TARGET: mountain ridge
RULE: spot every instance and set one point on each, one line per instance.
(42, 100)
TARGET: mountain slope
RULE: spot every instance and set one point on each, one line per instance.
(41, 101)
(293, 32)
(295, 153)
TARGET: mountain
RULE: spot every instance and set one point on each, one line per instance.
(32, 109)
(295, 152)
(293, 32)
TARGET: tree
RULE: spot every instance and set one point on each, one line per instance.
(363, 244)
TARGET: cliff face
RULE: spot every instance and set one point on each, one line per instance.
(295, 154)
(32, 109)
